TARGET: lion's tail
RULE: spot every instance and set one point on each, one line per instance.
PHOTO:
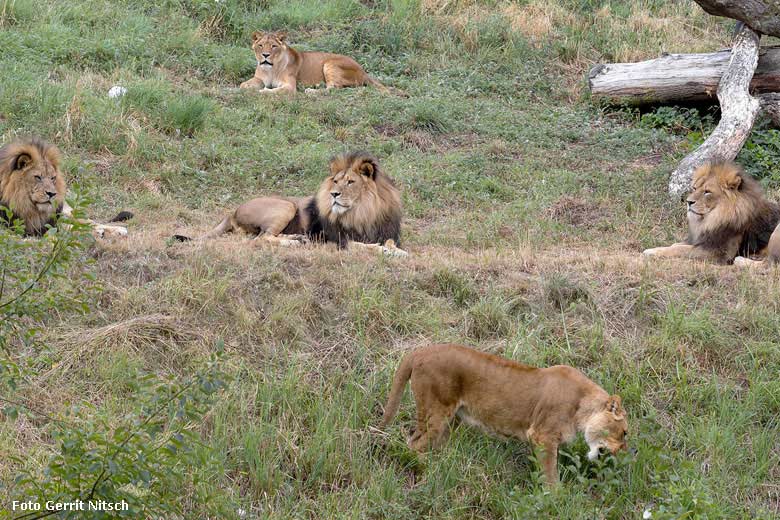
(385, 88)
(402, 375)
(122, 216)
(226, 226)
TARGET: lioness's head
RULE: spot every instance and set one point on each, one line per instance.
(267, 47)
(607, 428)
(31, 184)
(722, 195)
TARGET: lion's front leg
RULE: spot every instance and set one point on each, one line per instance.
(281, 240)
(254, 83)
(389, 248)
(742, 261)
(678, 250)
(98, 230)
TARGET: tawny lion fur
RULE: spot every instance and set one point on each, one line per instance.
(280, 68)
(357, 203)
(547, 406)
(728, 215)
(33, 187)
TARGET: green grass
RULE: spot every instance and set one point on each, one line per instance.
(526, 207)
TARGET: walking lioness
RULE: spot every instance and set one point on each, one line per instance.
(547, 406)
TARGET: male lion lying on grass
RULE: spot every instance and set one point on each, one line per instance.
(547, 406)
(357, 204)
(33, 188)
(728, 215)
(280, 68)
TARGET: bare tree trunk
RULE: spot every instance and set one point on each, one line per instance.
(738, 113)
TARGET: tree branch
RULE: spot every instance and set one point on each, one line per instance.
(738, 113)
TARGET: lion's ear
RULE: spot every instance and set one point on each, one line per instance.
(256, 36)
(22, 161)
(733, 181)
(368, 167)
(615, 406)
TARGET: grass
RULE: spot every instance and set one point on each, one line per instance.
(526, 209)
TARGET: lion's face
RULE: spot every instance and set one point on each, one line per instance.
(31, 184)
(351, 180)
(713, 186)
(722, 195)
(607, 429)
(268, 47)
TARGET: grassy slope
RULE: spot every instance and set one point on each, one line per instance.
(526, 206)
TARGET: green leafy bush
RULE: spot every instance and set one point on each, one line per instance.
(137, 462)
(37, 279)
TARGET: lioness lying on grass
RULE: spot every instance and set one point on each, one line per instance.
(280, 68)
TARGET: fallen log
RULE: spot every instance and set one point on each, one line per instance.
(677, 78)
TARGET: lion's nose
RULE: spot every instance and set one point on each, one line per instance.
(266, 54)
(51, 194)
(335, 194)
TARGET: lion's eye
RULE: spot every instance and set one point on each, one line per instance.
(707, 192)
(350, 182)
(273, 46)
(38, 178)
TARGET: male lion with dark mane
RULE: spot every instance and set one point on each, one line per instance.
(357, 204)
(728, 215)
(33, 188)
(280, 67)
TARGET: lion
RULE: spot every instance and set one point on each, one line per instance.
(280, 67)
(33, 188)
(547, 406)
(357, 204)
(728, 215)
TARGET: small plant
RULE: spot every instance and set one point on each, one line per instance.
(679, 120)
(186, 116)
(426, 116)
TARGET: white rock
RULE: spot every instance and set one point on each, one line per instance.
(647, 514)
(116, 91)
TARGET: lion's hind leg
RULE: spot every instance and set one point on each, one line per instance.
(343, 72)
(268, 217)
(433, 415)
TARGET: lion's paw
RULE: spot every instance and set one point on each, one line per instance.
(311, 91)
(741, 261)
(105, 231)
(286, 242)
(399, 253)
(394, 251)
(651, 252)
